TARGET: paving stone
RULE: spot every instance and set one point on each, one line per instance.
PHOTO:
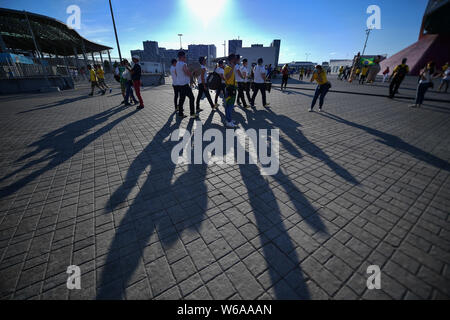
(93, 185)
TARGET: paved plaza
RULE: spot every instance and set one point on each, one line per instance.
(85, 181)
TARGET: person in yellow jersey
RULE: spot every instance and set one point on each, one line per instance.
(101, 78)
(364, 72)
(323, 85)
(341, 72)
(94, 81)
(230, 90)
(358, 73)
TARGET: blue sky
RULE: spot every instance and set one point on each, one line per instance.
(325, 29)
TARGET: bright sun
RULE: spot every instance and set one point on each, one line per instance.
(206, 10)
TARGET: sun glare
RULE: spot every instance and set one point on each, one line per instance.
(205, 10)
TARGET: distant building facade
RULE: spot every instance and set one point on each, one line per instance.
(233, 46)
(270, 55)
(335, 64)
(196, 51)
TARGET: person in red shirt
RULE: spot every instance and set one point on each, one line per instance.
(386, 74)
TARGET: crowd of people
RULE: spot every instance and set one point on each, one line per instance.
(235, 81)
(236, 78)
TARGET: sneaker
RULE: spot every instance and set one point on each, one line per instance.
(104, 92)
(230, 125)
(311, 110)
(127, 104)
(413, 106)
(194, 116)
(320, 110)
(182, 116)
(199, 110)
(216, 105)
(139, 107)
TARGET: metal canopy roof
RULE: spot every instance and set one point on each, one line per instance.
(52, 36)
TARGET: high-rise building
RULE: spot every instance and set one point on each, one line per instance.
(276, 44)
(151, 51)
(233, 45)
(196, 51)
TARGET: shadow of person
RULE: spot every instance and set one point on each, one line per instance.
(291, 129)
(158, 207)
(302, 205)
(57, 104)
(281, 257)
(394, 142)
(62, 144)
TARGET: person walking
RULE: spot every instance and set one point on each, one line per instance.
(219, 70)
(364, 72)
(341, 73)
(445, 78)
(126, 75)
(184, 80)
(230, 90)
(323, 86)
(386, 74)
(425, 82)
(302, 72)
(240, 79)
(101, 78)
(398, 75)
(120, 69)
(175, 86)
(285, 73)
(245, 71)
(136, 72)
(203, 86)
(260, 83)
(94, 81)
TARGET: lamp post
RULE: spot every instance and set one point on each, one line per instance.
(115, 30)
(367, 38)
(181, 44)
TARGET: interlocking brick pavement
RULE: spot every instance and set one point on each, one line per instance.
(87, 182)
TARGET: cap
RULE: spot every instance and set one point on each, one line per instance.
(136, 57)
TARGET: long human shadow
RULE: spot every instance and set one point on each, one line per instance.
(291, 129)
(275, 253)
(302, 205)
(61, 144)
(394, 142)
(188, 187)
(56, 104)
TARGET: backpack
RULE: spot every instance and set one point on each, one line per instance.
(214, 81)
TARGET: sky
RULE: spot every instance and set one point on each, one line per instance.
(319, 30)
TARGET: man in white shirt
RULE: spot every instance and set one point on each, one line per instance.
(240, 82)
(220, 70)
(260, 82)
(245, 71)
(203, 86)
(184, 80)
(176, 88)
